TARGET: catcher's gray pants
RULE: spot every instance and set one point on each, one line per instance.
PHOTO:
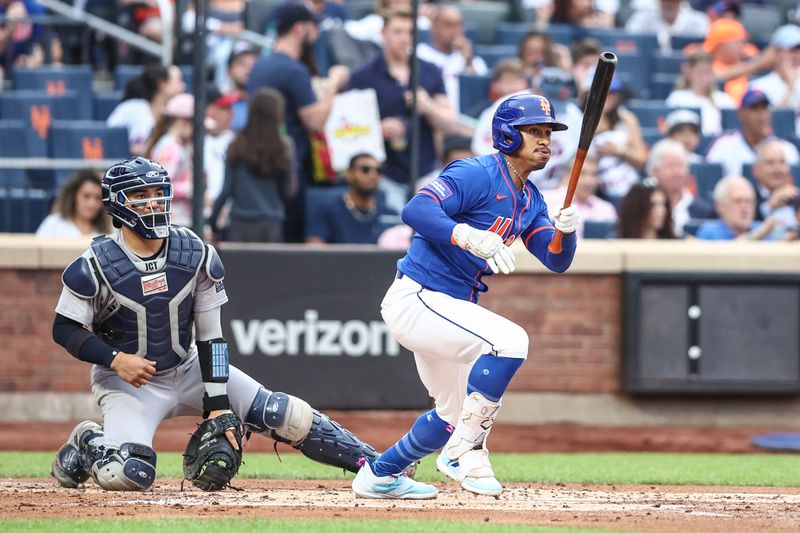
(132, 415)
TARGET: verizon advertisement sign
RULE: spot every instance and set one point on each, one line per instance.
(307, 322)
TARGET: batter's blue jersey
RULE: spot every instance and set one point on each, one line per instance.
(480, 192)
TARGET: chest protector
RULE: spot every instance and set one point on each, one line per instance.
(155, 310)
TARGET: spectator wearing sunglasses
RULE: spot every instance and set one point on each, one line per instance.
(356, 216)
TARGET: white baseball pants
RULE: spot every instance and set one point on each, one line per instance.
(446, 336)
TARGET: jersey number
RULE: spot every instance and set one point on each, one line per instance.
(501, 226)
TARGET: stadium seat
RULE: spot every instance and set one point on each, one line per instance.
(679, 42)
(651, 113)
(661, 85)
(632, 70)
(761, 20)
(783, 123)
(123, 74)
(13, 144)
(257, 11)
(472, 90)
(512, 32)
(492, 53)
(23, 209)
(485, 15)
(668, 63)
(38, 110)
(598, 230)
(706, 176)
(651, 136)
(88, 140)
(57, 81)
(623, 42)
(705, 143)
(104, 104)
(730, 119)
(691, 227)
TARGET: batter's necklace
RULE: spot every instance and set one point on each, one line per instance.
(521, 180)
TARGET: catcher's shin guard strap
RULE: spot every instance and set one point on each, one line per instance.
(331, 444)
(131, 467)
(213, 356)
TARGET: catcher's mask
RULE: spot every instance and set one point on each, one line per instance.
(149, 214)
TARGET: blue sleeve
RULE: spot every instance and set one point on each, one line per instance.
(708, 232)
(298, 85)
(434, 211)
(436, 80)
(537, 237)
(426, 215)
(316, 219)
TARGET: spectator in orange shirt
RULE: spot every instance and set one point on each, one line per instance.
(734, 59)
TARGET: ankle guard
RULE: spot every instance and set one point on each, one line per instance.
(331, 444)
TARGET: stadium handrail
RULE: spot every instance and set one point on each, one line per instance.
(48, 163)
(115, 31)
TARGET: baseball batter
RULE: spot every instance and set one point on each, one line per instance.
(128, 306)
(466, 355)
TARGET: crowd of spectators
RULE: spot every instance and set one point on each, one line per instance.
(269, 182)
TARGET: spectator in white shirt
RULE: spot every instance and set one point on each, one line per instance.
(775, 189)
(698, 89)
(78, 210)
(674, 17)
(451, 50)
(736, 148)
(782, 85)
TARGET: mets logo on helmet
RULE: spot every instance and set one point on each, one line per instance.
(545, 106)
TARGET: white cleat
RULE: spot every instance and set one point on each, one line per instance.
(477, 476)
(367, 485)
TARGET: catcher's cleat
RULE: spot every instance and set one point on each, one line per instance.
(73, 462)
(367, 485)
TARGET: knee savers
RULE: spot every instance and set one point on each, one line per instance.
(289, 419)
(131, 467)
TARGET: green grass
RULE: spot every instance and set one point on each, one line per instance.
(780, 470)
(278, 526)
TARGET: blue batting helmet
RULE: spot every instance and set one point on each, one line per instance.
(520, 110)
(125, 177)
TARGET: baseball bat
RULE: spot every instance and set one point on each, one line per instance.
(595, 102)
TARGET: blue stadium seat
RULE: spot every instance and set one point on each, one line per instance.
(492, 53)
(691, 227)
(668, 63)
(651, 113)
(651, 136)
(706, 176)
(104, 104)
(38, 110)
(705, 143)
(23, 209)
(57, 81)
(679, 42)
(88, 140)
(661, 85)
(623, 42)
(512, 32)
(730, 119)
(632, 70)
(783, 123)
(598, 230)
(472, 90)
(13, 144)
(123, 74)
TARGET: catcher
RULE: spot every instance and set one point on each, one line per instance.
(127, 306)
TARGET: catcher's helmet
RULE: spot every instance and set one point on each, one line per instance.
(520, 110)
(137, 173)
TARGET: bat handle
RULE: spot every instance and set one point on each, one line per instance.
(555, 244)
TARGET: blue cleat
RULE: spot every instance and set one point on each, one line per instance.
(367, 485)
(72, 464)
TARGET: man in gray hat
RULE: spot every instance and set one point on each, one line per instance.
(683, 126)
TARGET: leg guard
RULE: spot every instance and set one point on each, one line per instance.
(73, 462)
(289, 419)
(331, 444)
(131, 467)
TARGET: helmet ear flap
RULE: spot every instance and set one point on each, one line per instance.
(508, 138)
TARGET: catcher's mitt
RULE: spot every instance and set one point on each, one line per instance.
(210, 462)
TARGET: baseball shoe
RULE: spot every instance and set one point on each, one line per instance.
(367, 485)
(71, 466)
(485, 483)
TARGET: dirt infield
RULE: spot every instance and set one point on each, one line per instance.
(382, 428)
(640, 508)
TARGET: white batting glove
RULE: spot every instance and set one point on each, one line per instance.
(566, 221)
(478, 242)
(503, 261)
